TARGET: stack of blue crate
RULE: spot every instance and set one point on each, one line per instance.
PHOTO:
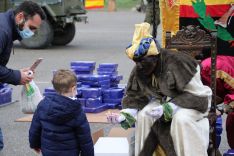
(5, 94)
(111, 70)
(94, 81)
(96, 93)
(91, 92)
(83, 67)
(92, 100)
(112, 97)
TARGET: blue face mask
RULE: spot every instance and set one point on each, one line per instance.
(26, 33)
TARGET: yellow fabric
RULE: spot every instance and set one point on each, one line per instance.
(94, 3)
(170, 18)
(159, 151)
(170, 3)
(170, 14)
(225, 77)
(207, 2)
(141, 31)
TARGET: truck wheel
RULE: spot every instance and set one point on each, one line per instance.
(65, 35)
(42, 38)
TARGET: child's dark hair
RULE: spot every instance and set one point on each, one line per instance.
(64, 80)
(30, 9)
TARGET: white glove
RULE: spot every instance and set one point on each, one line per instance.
(132, 112)
(155, 112)
(115, 118)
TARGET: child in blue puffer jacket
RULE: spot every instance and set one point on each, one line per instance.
(59, 126)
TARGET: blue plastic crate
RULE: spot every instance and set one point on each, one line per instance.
(97, 83)
(112, 105)
(103, 87)
(113, 93)
(229, 153)
(108, 65)
(82, 68)
(108, 73)
(78, 84)
(94, 78)
(116, 78)
(83, 63)
(93, 102)
(5, 95)
(91, 92)
(82, 72)
(114, 101)
(114, 85)
(101, 108)
(85, 86)
(106, 69)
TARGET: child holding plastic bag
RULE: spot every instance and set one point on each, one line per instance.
(30, 96)
(59, 126)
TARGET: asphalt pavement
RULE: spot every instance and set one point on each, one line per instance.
(103, 40)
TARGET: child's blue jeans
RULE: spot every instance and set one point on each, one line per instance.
(1, 140)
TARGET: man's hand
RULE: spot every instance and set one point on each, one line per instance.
(26, 76)
(156, 112)
(37, 150)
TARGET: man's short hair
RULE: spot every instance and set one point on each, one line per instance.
(64, 80)
(30, 9)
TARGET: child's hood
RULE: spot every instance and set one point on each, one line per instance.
(61, 109)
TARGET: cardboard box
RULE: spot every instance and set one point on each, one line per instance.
(112, 146)
(96, 135)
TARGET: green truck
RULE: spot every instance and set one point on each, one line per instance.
(59, 27)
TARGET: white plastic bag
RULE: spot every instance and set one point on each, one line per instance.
(30, 97)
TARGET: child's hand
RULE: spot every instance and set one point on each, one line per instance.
(114, 118)
(37, 150)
